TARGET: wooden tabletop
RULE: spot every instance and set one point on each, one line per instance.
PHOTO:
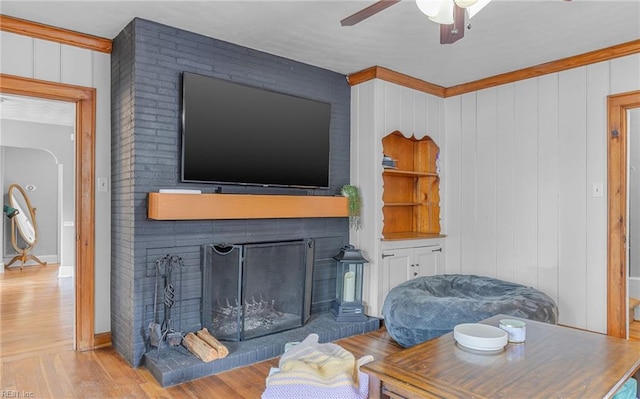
(554, 361)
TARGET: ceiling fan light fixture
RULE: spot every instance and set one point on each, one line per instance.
(445, 13)
(475, 8)
(465, 3)
(430, 8)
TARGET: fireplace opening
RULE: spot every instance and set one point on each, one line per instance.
(256, 289)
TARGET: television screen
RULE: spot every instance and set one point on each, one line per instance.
(237, 134)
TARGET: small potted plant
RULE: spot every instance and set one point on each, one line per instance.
(354, 204)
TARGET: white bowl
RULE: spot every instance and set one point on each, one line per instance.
(480, 337)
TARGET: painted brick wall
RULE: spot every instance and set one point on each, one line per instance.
(147, 63)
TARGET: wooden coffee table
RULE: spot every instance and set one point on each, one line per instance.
(554, 361)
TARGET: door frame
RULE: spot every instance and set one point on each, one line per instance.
(85, 100)
(617, 106)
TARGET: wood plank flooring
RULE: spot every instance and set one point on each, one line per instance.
(634, 330)
(36, 311)
(37, 359)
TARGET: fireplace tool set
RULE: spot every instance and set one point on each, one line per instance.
(165, 332)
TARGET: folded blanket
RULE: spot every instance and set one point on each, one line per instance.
(318, 371)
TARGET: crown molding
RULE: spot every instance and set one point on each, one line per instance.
(59, 35)
(605, 54)
(378, 72)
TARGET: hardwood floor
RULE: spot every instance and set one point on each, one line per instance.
(634, 330)
(37, 359)
(36, 310)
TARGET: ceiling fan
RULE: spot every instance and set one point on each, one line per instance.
(450, 14)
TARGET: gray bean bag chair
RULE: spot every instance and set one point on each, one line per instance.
(427, 307)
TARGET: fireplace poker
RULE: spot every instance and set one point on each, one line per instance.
(155, 329)
(173, 338)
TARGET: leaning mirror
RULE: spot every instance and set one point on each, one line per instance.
(24, 229)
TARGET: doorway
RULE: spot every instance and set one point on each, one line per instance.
(84, 100)
(618, 170)
(633, 240)
(37, 152)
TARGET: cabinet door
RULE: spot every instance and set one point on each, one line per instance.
(395, 268)
(425, 261)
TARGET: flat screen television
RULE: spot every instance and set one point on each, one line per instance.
(238, 134)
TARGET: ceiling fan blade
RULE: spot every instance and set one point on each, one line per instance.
(452, 33)
(367, 12)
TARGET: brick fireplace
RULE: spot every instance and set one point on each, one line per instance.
(288, 318)
(147, 64)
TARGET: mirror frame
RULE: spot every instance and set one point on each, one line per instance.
(23, 252)
(31, 216)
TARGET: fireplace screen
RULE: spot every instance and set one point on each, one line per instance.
(251, 290)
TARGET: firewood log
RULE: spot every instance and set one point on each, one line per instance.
(206, 336)
(200, 348)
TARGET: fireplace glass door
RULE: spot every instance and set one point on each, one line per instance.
(251, 290)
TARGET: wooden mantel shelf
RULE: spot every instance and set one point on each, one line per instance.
(163, 206)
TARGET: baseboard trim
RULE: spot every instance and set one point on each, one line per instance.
(102, 340)
(65, 271)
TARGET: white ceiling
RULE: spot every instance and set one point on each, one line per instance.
(505, 36)
(28, 109)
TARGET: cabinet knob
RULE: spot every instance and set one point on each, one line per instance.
(387, 255)
(415, 274)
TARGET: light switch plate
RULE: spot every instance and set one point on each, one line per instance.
(103, 184)
(597, 190)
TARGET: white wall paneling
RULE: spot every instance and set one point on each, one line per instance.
(47, 60)
(547, 195)
(572, 212)
(363, 145)
(526, 181)
(377, 109)
(597, 208)
(420, 116)
(624, 74)
(505, 180)
(523, 210)
(16, 54)
(451, 175)
(407, 113)
(468, 212)
(76, 66)
(391, 103)
(44, 60)
(101, 80)
(486, 117)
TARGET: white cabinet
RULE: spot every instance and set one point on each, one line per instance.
(403, 264)
(424, 261)
(396, 268)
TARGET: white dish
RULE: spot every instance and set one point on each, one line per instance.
(480, 337)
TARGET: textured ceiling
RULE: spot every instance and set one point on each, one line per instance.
(505, 36)
(28, 109)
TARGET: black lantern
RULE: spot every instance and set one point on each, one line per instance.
(348, 303)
